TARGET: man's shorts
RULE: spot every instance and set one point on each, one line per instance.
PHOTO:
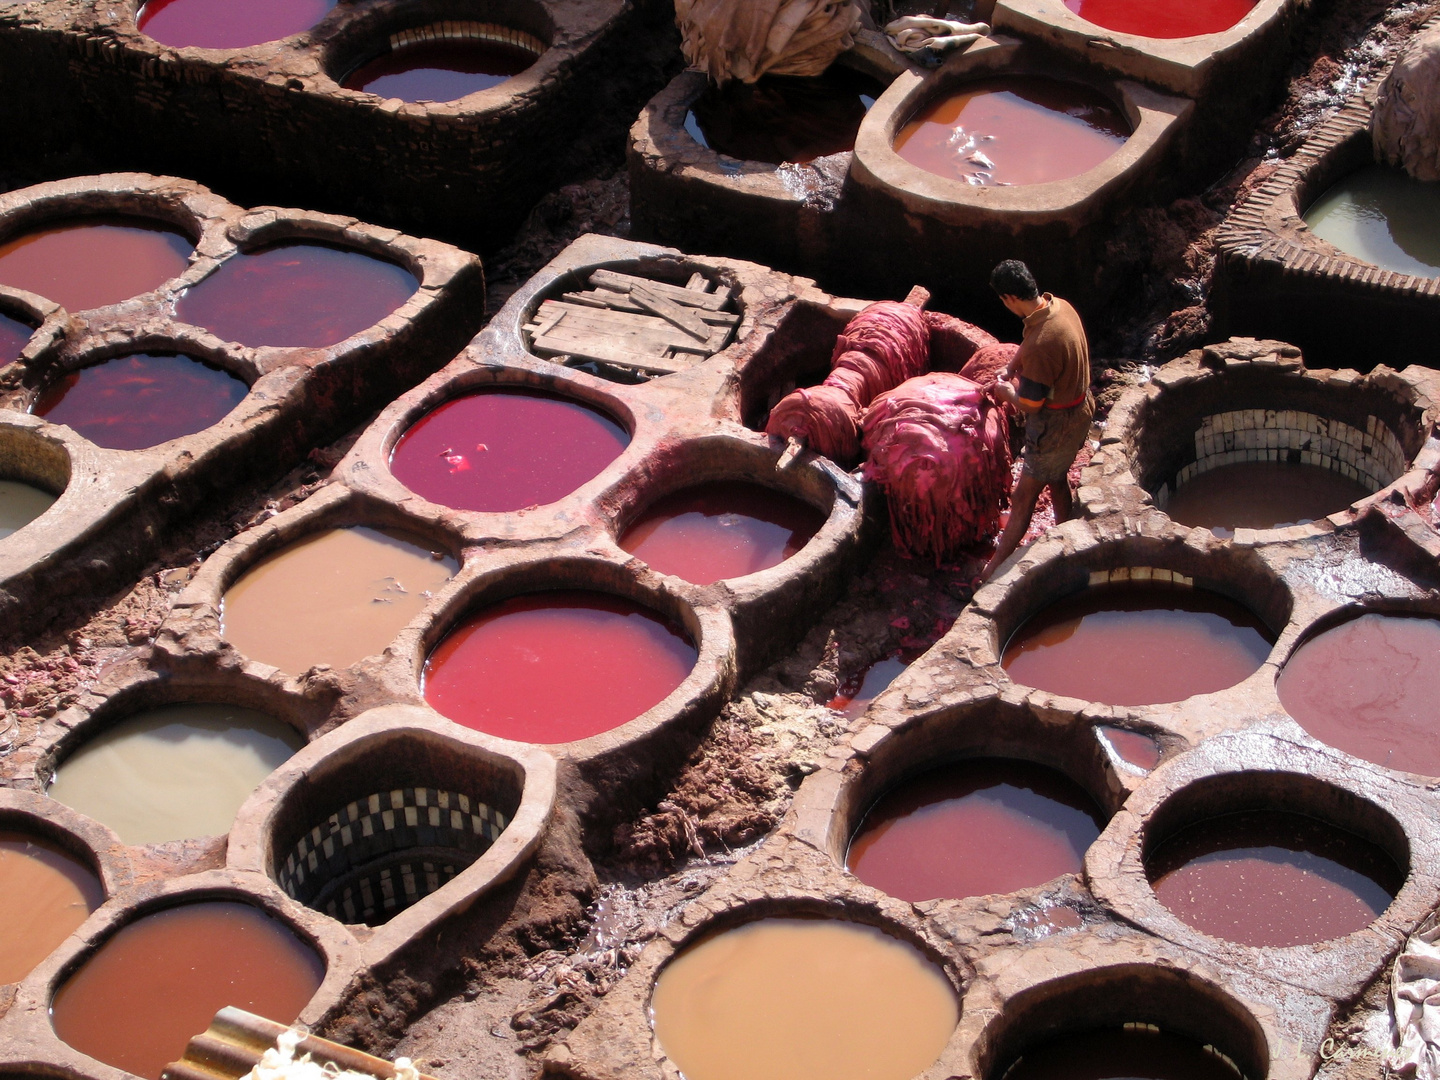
(1052, 439)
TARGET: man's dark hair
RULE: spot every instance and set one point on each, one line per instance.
(1013, 278)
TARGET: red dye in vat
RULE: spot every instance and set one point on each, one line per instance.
(95, 261)
(14, 336)
(1014, 130)
(1272, 878)
(440, 70)
(502, 450)
(991, 825)
(1120, 1054)
(1138, 645)
(783, 118)
(1371, 687)
(227, 24)
(157, 982)
(1139, 750)
(721, 530)
(141, 400)
(1162, 18)
(556, 666)
(300, 295)
(854, 695)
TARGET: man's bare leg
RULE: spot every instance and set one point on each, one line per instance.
(1063, 500)
(1022, 508)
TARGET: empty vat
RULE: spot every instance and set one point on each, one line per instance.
(332, 598)
(157, 982)
(721, 530)
(501, 449)
(793, 999)
(21, 504)
(445, 62)
(1129, 644)
(94, 261)
(1383, 216)
(1272, 878)
(1012, 131)
(783, 118)
(1136, 1051)
(222, 24)
(174, 772)
(1370, 687)
(553, 667)
(14, 336)
(141, 400)
(296, 294)
(855, 693)
(1162, 19)
(973, 828)
(45, 893)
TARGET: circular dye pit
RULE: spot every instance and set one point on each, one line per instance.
(303, 295)
(14, 336)
(854, 695)
(502, 450)
(45, 894)
(1014, 130)
(974, 828)
(159, 981)
(1138, 645)
(554, 667)
(444, 69)
(1262, 495)
(783, 118)
(174, 773)
(332, 598)
(1272, 878)
(721, 530)
(1371, 687)
(1384, 216)
(1133, 748)
(142, 400)
(1137, 1052)
(1162, 18)
(21, 504)
(796, 999)
(225, 24)
(94, 261)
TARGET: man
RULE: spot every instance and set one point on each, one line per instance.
(1049, 383)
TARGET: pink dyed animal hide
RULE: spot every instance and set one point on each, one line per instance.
(940, 448)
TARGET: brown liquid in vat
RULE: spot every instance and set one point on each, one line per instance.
(44, 895)
(157, 982)
(802, 999)
(332, 598)
(1262, 495)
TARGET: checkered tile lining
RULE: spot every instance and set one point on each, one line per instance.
(380, 854)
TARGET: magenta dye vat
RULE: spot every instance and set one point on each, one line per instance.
(142, 400)
(14, 336)
(305, 295)
(227, 24)
(444, 69)
(502, 449)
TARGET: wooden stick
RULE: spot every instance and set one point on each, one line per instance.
(670, 311)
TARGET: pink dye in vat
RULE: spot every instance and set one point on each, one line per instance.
(14, 336)
(854, 695)
(95, 261)
(142, 400)
(500, 450)
(227, 24)
(1162, 18)
(301, 295)
(721, 530)
(444, 70)
(553, 667)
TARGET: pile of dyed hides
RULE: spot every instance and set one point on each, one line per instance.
(1405, 126)
(881, 347)
(941, 450)
(745, 39)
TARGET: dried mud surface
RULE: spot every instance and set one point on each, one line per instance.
(535, 961)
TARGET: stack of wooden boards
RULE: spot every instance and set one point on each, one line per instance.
(634, 323)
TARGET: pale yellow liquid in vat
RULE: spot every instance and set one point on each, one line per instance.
(803, 999)
(333, 598)
(174, 773)
(21, 504)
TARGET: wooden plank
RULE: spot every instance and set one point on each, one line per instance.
(713, 301)
(657, 335)
(670, 311)
(590, 349)
(698, 283)
(622, 302)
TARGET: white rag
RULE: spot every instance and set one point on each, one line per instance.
(278, 1063)
(916, 32)
(1415, 998)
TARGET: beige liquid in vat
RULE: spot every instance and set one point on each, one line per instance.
(799, 999)
(332, 598)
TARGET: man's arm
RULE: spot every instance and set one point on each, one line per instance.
(1026, 396)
